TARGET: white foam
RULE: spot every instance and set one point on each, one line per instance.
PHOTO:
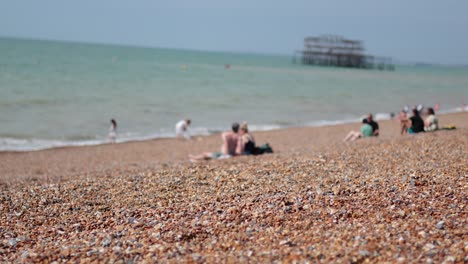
(14, 144)
(264, 127)
(21, 144)
(383, 116)
(321, 123)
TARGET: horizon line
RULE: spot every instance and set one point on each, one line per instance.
(128, 45)
(396, 61)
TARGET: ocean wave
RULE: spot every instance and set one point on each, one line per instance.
(320, 123)
(10, 142)
(19, 144)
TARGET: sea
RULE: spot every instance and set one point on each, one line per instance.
(55, 94)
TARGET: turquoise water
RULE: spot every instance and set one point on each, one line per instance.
(56, 93)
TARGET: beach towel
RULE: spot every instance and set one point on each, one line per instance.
(449, 127)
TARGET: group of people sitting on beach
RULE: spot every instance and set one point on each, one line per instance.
(236, 142)
(415, 123)
(408, 125)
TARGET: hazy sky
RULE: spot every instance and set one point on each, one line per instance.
(409, 30)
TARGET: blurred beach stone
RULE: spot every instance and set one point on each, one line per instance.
(440, 225)
(382, 200)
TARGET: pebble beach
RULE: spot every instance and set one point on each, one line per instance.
(392, 199)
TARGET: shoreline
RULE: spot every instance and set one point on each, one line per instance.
(37, 144)
(52, 164)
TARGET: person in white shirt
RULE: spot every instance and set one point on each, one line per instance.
(181, 128)
(431, 123)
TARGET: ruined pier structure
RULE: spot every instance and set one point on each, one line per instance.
(331, 50)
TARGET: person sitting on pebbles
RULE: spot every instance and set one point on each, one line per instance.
(228, 148)
(246, 142)
(366, 131)
(416, 123)
(404, 123)
(431, 123)
(373, 124)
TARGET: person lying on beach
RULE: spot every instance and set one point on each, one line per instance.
(373, 124)
(366, 131)
(228, 148)
(181, 128)
(431, 123)
(246, 142)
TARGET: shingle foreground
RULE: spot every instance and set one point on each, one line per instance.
(393, 201)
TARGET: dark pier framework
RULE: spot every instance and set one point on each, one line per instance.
(331, 50)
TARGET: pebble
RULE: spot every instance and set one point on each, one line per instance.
(440, 225)
(12, 242)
